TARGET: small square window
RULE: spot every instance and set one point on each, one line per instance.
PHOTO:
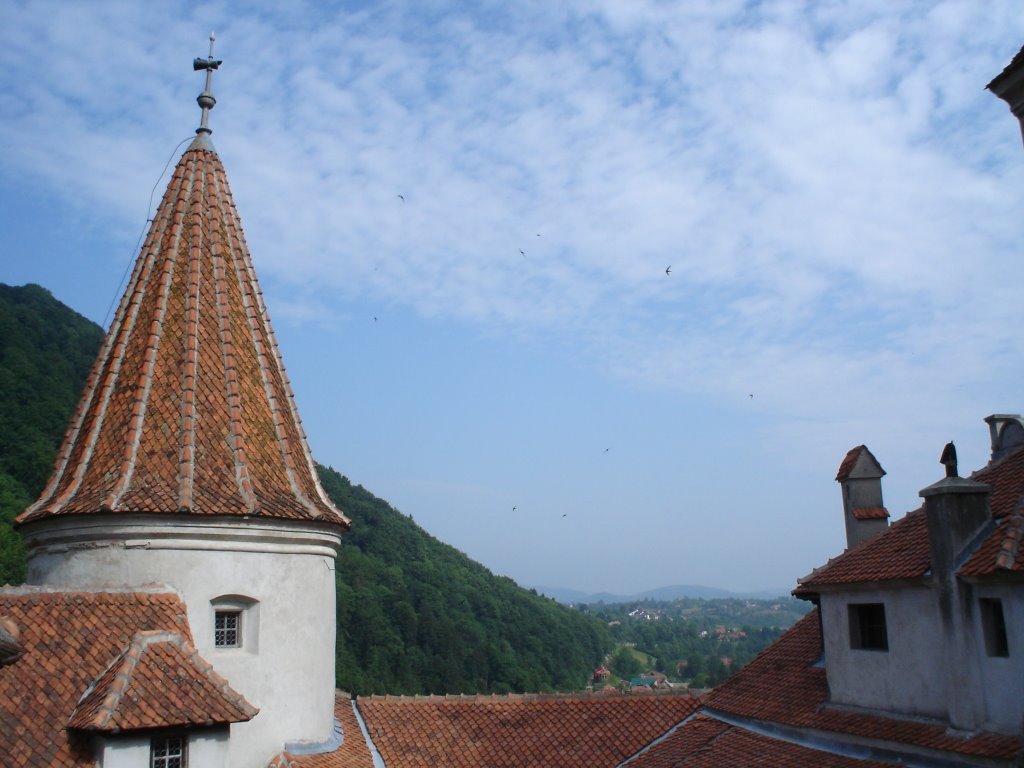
(227, 629)
(168, 752)
(867, 627)
(993, 626)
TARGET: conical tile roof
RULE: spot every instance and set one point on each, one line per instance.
(188, 408)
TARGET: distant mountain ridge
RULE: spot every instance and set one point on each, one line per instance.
(674, 592)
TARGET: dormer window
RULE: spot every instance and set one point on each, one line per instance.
(993, 626)
(227, 629)
(867, 627)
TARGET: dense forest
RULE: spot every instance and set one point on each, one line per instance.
(46, 350)
(414, 614)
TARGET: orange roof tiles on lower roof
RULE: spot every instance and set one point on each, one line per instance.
(70, 639)
(1006, 478)
(705, 742)
(159, 681)
(578, 731)
(353, 752)
(1001, 551)
(784, 686)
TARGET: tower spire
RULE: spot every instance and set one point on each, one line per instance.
(205, 99)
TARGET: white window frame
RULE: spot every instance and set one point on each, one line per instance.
(247, 610)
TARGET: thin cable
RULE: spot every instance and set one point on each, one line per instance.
(131, 256)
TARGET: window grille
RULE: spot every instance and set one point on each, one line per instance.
(168, 752)
(227, 626)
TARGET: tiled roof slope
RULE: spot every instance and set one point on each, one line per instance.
(353, 752)
(159, 681)
(900, 552)
(705, 742)
(70, 639)
(784, 686)
(518, 731)
(188, 408)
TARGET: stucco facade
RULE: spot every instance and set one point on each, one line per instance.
(278, 574)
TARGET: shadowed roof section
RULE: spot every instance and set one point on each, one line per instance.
(515, 731)
(188, 407)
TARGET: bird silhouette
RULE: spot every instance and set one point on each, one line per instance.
(402, 198)
(565, 515)
(607, 449)
(522, 251)
(668, 269)
(513, 508)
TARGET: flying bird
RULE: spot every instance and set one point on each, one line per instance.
(513, 508)
(522, 251)
(668, 269)
(607, 449)
(402, 198)
(566, 514)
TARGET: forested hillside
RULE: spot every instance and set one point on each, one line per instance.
(46, 350)
(414, 614)
(418, 616)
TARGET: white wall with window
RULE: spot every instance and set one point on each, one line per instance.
(196, 748)
(893, 667)
(277, 577)
(1000, 626)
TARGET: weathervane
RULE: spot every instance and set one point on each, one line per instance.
(205, 99)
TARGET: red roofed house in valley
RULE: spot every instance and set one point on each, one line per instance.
(181, 610)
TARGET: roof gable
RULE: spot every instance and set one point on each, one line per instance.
(70, 638)
(158, 681)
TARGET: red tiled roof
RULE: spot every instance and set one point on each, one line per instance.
(1006, 478)
(783, 686)
(159, 681)
(870, 513)
(353, 752)
(188, 408)
(510, 732)
(1002, 550)
(70, 639)
(705, 742)
(900, 552)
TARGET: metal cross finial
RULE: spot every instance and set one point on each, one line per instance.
(205, 99)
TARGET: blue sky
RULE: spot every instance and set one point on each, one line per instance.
(835, 192)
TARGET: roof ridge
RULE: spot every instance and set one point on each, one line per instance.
(538, 696)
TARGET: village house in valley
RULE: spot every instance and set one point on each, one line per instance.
(180, 602)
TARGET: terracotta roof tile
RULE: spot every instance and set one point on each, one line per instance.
(900, 552)
(159, 681)
(870, 513)
(704, 742)
(70, 639)
(850, 461)
(188, 407)
(783, 685)
(577, 731)
(1001, 551)
(353, 752)
(1006, 478)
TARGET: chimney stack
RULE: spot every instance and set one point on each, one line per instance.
(1006, 431)
(1008, 85)
(860, 477)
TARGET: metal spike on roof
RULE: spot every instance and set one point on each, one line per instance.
(206, 99)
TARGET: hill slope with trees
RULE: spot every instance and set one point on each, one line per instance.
(46, 350)
(414, 614)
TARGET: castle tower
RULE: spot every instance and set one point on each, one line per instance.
(186, 463)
